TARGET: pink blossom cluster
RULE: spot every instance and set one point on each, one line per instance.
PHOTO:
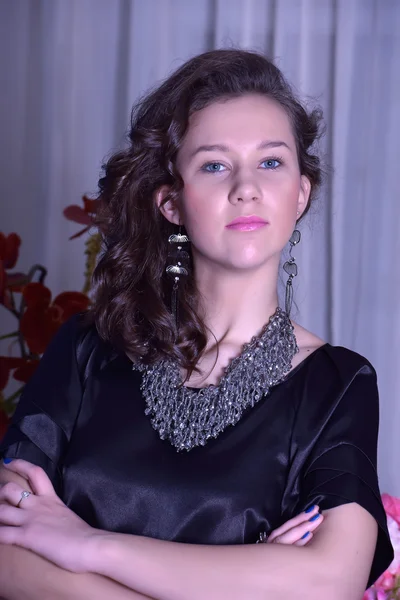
(387, 587)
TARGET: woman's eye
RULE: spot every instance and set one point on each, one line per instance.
(271, 163)
(214, 167)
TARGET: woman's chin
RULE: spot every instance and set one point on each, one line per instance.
(245, 265)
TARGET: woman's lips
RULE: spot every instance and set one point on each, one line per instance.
(250, 226)
(247, 223)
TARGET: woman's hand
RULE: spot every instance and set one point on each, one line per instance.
(42, 522)
(299, 530)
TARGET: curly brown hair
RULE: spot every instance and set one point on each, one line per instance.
(131, 290)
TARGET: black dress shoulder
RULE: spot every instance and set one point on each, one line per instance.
(312, 439)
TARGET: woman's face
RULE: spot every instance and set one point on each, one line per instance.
(239, 159)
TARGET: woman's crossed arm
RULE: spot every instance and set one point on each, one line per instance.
(334, 564)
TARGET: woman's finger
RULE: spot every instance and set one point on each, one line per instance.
(303, 517)
(6, 475)
(299, 533)
(13, 494)
(36, 477)
(10, 535)
(305, 539)
(9, 515)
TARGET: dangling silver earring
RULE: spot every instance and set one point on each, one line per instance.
(290, 268)
(179, 267)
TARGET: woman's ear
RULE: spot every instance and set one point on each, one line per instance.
(168, 208)
(304, 195)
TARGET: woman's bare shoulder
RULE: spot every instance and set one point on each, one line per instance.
(307, 342)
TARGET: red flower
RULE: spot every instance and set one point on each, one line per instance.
(23, 369)
(42, 318)
(9, 249)
(83, 216)
(7, 364)
(4, 422)
(4, 296)
(9, 252)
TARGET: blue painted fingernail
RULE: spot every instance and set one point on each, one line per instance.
(305, 535)
(310, 508)
(314, 518)
(6, 461)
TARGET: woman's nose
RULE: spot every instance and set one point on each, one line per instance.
(244, 193)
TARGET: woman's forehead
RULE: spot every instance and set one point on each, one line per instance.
(249, 122)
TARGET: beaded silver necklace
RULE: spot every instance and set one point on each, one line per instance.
(190, 417)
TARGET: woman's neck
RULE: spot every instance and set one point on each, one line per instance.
(237, 305)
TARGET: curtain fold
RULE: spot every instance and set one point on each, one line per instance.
(72, 70)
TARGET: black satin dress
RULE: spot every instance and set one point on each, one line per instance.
(312, 440)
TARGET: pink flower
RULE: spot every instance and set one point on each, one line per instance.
(392, 507)
(388, 582)
(369, 594)
(394, 532)
(374, 594)
(385, 582)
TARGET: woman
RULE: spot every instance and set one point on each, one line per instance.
(190, 418)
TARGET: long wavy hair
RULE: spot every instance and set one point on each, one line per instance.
(131, 290)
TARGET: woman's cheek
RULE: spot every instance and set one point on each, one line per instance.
(199, 202)
(283, 198)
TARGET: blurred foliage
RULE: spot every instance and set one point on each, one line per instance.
(38, 316)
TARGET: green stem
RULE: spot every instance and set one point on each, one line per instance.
(13, 311)
(13, 307)
(9, 335)
(42, 275)
(8, 403)
(21, 341)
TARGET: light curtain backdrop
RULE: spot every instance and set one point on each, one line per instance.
(71, 70)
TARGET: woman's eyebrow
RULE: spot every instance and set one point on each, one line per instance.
(223, 148)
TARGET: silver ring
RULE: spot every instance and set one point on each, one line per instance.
(25, 494)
